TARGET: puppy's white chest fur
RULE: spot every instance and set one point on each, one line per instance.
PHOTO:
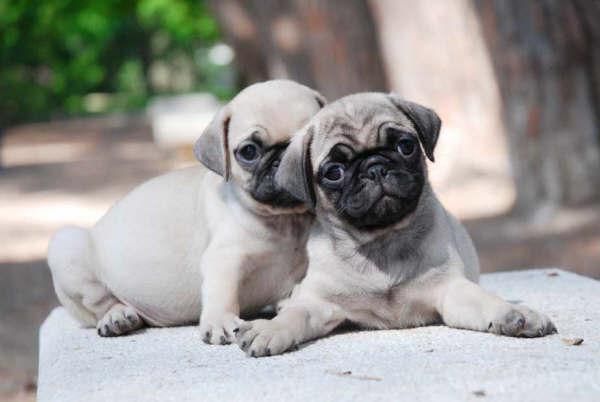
(383, 303)
(389, 307)
(372, 297)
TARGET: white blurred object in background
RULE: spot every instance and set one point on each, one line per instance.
(177, 121)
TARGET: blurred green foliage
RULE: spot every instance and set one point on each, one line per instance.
(65, 57)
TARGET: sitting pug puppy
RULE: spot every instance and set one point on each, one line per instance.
(386, 254)
(190, 245)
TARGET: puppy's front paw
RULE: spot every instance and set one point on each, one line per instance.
(219, 330)
(264, 338)
(522, 321)
(119, 320)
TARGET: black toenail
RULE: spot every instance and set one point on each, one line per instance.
(236, 330)
(253, 354)
(243, 344)
(268, 352)
(223, 340)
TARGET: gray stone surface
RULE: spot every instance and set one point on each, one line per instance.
(422, 364)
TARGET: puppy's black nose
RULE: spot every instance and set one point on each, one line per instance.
(377, 171)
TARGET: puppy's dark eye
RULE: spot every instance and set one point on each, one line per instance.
(406, 146)
(334, 173)
(248, 153)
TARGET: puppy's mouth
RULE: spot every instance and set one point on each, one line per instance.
(375, 205)
(275, 198)
(357, 207)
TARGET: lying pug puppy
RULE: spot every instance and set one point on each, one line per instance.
(386, 253)
(190, 245)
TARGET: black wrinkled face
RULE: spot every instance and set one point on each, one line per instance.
(378, 187)
(262, 162)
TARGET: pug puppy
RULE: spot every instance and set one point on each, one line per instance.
(385, 254)
(207, 244)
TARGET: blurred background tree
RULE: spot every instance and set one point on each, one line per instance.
(329, 45)
(61, 57)
(546, 56)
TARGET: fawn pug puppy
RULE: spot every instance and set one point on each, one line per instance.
(386, 254)
(191, 245)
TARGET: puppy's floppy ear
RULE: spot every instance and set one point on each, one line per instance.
(321, 100)
(426, 122)
(295, 169)
(212, 148)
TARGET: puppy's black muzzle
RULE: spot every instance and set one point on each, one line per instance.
(377, 172)
(381, 191)
(375, 167)
(264, 188)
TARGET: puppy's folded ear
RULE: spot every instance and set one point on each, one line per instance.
(212, 148)
(295, 169)
(426, 122)
(321, 100)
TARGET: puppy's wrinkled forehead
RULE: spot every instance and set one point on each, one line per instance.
(278, 107)
(354, 120)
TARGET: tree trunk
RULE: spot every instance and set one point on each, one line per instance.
(329, 45)
(546, 56)
(241, 30)
(437, 57)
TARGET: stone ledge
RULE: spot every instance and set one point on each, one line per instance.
(422, 364)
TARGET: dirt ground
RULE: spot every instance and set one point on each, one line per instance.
(71, 172)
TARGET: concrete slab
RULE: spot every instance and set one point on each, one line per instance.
(422, 364)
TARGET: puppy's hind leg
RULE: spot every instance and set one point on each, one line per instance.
(71, 261)
(119, 320)
(464, 304)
